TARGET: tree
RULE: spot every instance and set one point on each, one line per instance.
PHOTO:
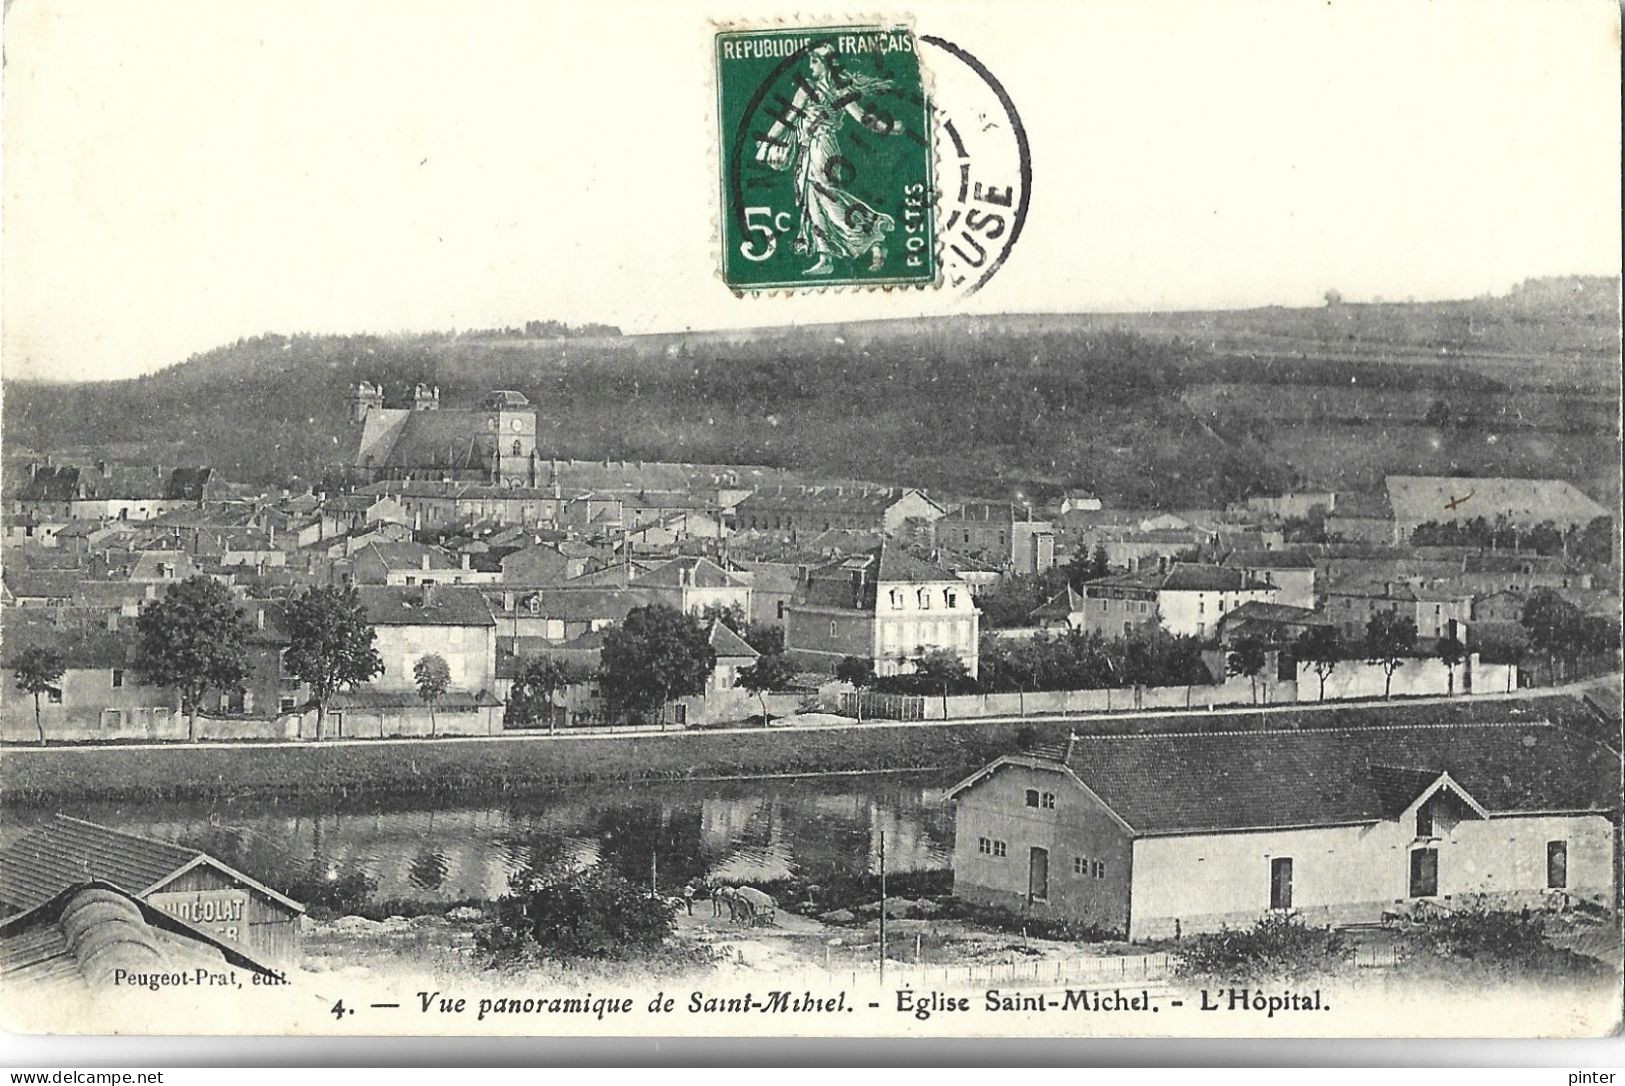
(1321, 649)
(1247, 657)
(571, 915)
(433, 679)
(655, 654)
(1451, 652)
(193, 640)
(540, 678)
(1099, 563)
(773, 672)
(1554, 626)
(857, 670)
(1389, 641)
(38, 670)
(332, 647)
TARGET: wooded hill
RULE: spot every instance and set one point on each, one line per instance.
(1171, 410)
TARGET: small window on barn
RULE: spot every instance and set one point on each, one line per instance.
(984, 845)
(118, 677)
(1557, 865)
(832, 627)
(998, 848)
(1424, 820)
(1032, 797)
(1100, 869)
(1049, 800)
(1080, 865)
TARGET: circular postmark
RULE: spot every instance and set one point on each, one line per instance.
(984, 167)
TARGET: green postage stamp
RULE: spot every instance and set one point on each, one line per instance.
(825, 136)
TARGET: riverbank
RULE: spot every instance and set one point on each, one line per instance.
(491, 766)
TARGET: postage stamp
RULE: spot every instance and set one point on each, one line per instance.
(826, 158)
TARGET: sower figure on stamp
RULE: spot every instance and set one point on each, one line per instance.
(834, 221)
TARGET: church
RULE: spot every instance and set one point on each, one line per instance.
(494, 442)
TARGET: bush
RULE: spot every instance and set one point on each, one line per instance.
(589, 914)
(1501, 940)
(336, 893)
(1278, 947)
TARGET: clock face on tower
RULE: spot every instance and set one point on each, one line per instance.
(516, 425)
(491, 423)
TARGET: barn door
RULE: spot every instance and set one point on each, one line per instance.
(1424, 872)
(1038, 874)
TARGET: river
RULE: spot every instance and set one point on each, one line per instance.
(440, 851)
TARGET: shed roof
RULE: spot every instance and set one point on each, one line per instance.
(66, 851)
(1222, 782)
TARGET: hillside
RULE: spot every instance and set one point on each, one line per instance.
(1173, 409)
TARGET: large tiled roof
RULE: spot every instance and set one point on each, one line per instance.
(1260, 779)
(1063, 604)
(408, 555)
(833, 499)
(65, 851)
(724, 642)
(442, 605)
(1189, 577)
(1421, 498)
(894, 564)
(699, 573)
(81, 646)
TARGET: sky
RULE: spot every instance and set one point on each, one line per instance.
(180, 173)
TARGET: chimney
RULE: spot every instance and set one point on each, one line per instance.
(425, 562)
(465, 561)
(259, 619)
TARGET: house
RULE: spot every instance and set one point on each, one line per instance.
(808, 509)
(402, 564)
(1275, 624)
(450, 621)
(1522, 503)
(773, 587)
(1162, 835)
(546, 563)
(184, 882)
(83, 938)
(1063, 611)
(693, 584)
(1188, 599)
(886, 606)
(98, 695)
(1436, 612)
(1293, 575)
(1002, 534)
(1364, 517)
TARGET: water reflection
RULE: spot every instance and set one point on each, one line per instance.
(738, 831)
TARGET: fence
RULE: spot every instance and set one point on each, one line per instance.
(866, 704)
(1353, 679)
